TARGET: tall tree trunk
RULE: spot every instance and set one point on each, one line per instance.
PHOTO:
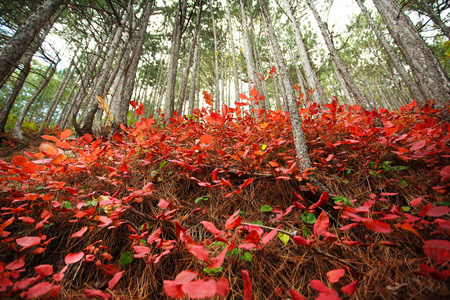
(426, 69)
(251, 70)
(412, 86)
(193, 78)
(12, 52)
(17, 131)
(173, 60)
(121, 111)
(351, 85)
(297, 131)
(184, 81)
(233, 52)
(310, 72)
(216, 95)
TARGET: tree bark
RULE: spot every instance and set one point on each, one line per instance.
(173, 60)
(425, 67)
(233, 53)
(310, 72)
(434, 16)
(356, 92)
(193, 79)
(11, 53)
(297, 131)
(216, 95)
(412, 86)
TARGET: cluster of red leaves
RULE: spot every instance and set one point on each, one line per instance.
(205, 148)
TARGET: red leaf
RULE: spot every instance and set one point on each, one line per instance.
(30, 167)
(319, 286)
(302, 241)
(65, 134)
(207, 97)
(211, 228)
(64, 145)
(96, 293)
(378, 226)
(117, 137)
(233, 221)
(123, 167)
(445, 172)
(350, 288)
(242, 96)
(438, 211)
(88, 138)
(217, 261)
(173, 289)
(39, 289)
(17, 264)
(407, 226)
(115, 279)
(418, 146)
(322, 200)
(246, 183)
(198, 289)
(105, 221)
(72, 258)
(349, 226)
(222, 287)
(416, 201)
(28, 241)
(199, 252)
(295, 295)
(253, 92)
(59, 276)
(334, 275)
(252, 237)
(185, 276)
(49, 149)
(163, 204)
(19, 160)
(438, 250)
(206, 139)
(80, 232)
(50, 138)
(424, 210)
(266, 238)
(248, 289)
(322, 223)
(44, 270)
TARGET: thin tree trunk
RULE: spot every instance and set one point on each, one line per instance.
(233, 52)
(412, 86)
(173, 62)
(17, 131)
(12, 52)
(425, 67)
(434, 16)
(351, 85)
(310, 72)
(216, 95)
(193, 79)
(297, 131)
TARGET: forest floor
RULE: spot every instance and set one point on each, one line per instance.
(215, 205)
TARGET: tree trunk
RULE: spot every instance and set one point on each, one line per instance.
(173, 60)
(233, 52)
(11, 53)
(412, 86)
(121, 111)
(356, 93)
(310, 72)
(184, 81)
(251, 70)
(17, 131)
(297, 131)
(193, 78)
(216, 95)
(425, 67)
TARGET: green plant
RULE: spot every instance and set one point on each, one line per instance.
(202, 198)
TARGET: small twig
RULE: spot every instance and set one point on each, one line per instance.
(270, 228)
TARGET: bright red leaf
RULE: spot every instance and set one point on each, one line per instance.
(17, 264)
(295, 295)
(266, 238)
(39, 290)
(233, 221)
(248, 288)
(115, 279)
(206, 139)
(49, 149)
(80, 232)
(198, 289)
(334, 275)
(350, 288)
(28, 241)
(222, 287)
(19, 160)
(378, 226)
(418, 145)
(438, 250)
(44, 270)
(72, 258)
(96, 293)
(322, 223)
(322, 200)
(65, 134)
(438, 211)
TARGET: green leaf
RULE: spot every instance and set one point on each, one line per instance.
(198, 200)
(310, 218)
(169, 173)
(247, 256)
(263, 147)
(242, 213)
(143, 242)
(306, 232)
(283, 237)
(126, 258)
(235, 251)
(406, 208)
(213, 271)
(162, 164)
(403, 183)
(303, 218)
(266, 208)
(258, 222)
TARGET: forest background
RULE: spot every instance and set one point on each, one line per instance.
(184, 113)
